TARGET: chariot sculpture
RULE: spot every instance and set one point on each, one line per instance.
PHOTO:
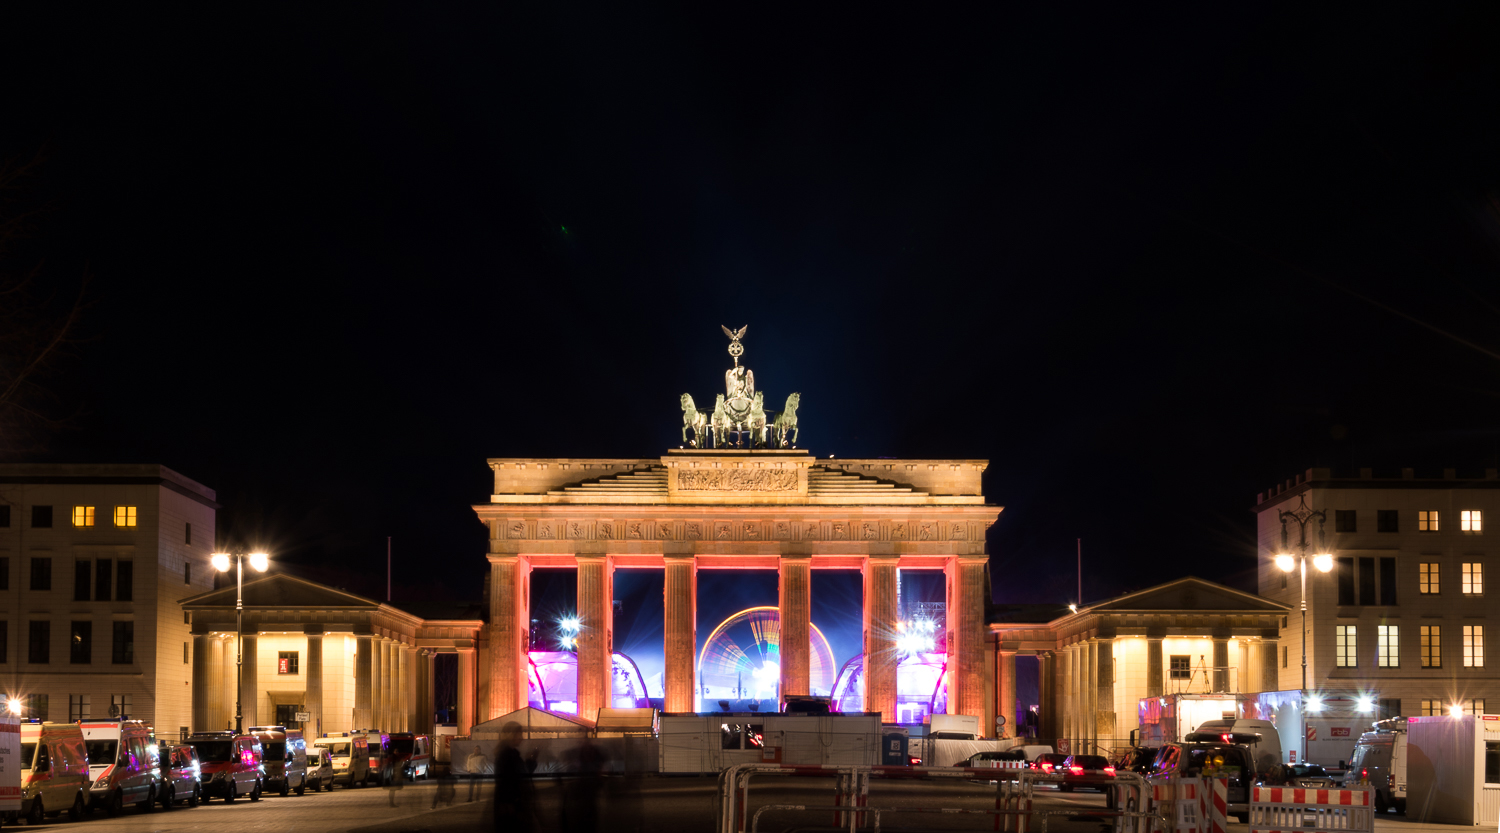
(740, 411)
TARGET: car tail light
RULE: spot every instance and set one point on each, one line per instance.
(1076, 770)
(1109, 770)
(1364, 775)
(1046, 767)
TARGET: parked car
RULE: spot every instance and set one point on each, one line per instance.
(122, 764)
(319, 768)
(285, 757)
(1309, 775)
(231, 765)
(1092, 771)
(181, 776)
(351, 757)
(1261, 737)
(381, 755)
(1048, 762)
(411, 753)
(54, 770)
(1380, 760)
(1227, 760)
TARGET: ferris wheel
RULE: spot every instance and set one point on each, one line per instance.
(741, 660)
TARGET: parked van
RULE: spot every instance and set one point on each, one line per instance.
(382, 759)
(1380, 761)
(1266, 749)
(122, 764)
(54, 770)
(285, 755)
(351, 757)
(230, 763)
(411, 753)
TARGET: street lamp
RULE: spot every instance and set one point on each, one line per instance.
(259, 561)
(1322, 560)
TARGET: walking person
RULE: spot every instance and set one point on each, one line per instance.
(515, 795)
(395, 782)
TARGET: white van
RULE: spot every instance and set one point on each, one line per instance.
(1265, 750)
(1380, 761)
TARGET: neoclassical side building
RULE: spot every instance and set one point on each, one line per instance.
(724, 508)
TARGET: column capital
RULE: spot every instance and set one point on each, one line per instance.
(506, 558)
(313, 630)
(592, 558)
(797, 555)
(968, 560)
(679, 558)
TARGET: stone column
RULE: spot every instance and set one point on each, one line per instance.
(312, 702)
(387, 684)
(229, 685)
(1270, 665)
(364, 684)
(1007, 689)
(1047, 696)
(1059, 702)
(1156, 677)
(250, 683)
(404, 681)
(794, 594)
(1075, 702)
(465, 690)
(1091, 696)
(202, 690)
(966, 591)
(215, 691)
(426, 684)
(880, 617)
(680, 634)
(1221, 664)
(596, 633)
(1106, 719)
(510, 633)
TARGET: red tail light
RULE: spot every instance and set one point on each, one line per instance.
(1046, 767)
(1109, 770)
(1076, 770)
(1364, 775)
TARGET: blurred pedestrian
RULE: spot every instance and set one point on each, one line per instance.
(515, 795)
(474, 766)
(447, 788)
(395, 782)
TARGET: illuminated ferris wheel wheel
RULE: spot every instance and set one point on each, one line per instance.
(741, 660)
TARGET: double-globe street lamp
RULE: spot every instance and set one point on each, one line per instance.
(259, 561)
(1322, 560)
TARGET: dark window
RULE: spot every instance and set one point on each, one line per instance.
(1387, 581)
(1283, 580)
(184, 653)
(38, 642)
(187, 572)
(4, 641)
(5, 515)
(81, 643)
(1386, 520)
(104, 573)
(1492, 762)
(1343, 520)
(125, 582)
(286, 662)
(41, 574)
(187, 537)
(41, 517)
(1344, 566)
(1366, 581)
(1389, 708)
(36, 706)
(5, 573)
(1181, 667)
(83, 574)
(123, 651)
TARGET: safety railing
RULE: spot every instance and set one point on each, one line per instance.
(1309, 810)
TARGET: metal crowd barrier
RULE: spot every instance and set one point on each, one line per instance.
(1308, 810)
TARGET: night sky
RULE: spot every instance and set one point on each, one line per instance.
(1145, 265)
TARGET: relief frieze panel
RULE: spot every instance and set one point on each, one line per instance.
(737, 480)
(765, 529)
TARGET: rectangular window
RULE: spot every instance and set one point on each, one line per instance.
(1343, 646)
(103, 577)
(184, 653)
(5, 573)
(36, 707)
(81, 643)
(125, 582)
(187, 537)
(1366, 581)
(1387, 520)
(78, 707)
(1471, 520)
(120, 706)
(41, 517)
(38, 643)
(124, 516)
(1473, 579)
(1475, 708)
(5, 515)
(123, 652)
(1492, 762)
(1283, 581)
(286, 662)
(1432, 646)
(1473, 646)
(1427, 577)
(1427, 520)
(41, 574)
(187, 572)
(1390, 708)
(1345, 568)
(83, 516)
(83, 576)
(1284, 653)
(4, 641)
(1181, 667)
(1432, 708)
(1387, 581)
(1343, 520)
(1388, 646)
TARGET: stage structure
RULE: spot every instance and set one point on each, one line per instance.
(753, 501)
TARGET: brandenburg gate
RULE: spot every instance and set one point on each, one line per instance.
(764, 506)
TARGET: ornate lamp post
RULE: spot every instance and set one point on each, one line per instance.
(1322, 560)
(259, 561)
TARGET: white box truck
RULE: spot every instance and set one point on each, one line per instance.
(1328, 729)
(1453, 769)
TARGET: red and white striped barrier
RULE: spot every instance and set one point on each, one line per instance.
(1307, 810)
(1190, 805)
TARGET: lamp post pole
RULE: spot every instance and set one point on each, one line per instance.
(1321, 559)
(259, 561)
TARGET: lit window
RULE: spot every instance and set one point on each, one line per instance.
(1471, 520)
(124, 516)
(1180, 667)
(1473, 646)
(1427, 577)
(1388, 645)
(1432, 646)
(1343, 646)
(1427, 521)
(1432, 708)
(1473, 584)
(286, 662)
(83, 516)
(1475, 707)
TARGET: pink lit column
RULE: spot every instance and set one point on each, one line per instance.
(466, 689)
(596, 632)
(880, 635)
(966, 637)
(509, 638)
(795, 601)
(680, 639)
(1007, 689)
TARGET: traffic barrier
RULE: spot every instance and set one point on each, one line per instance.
(1189, 805)
(1309, 810)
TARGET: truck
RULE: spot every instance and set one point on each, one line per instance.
(1453, 769)
(1327, 729)
(1379, 761)
(706, 743)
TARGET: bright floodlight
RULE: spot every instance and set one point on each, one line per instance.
(570, 624)
(260, 561)
(1456, 710)
(1314, 703)
(1073, 608)
(221, 561)
(1366, 705)
(1323, 561)
(1286, 563)
(14, 706)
